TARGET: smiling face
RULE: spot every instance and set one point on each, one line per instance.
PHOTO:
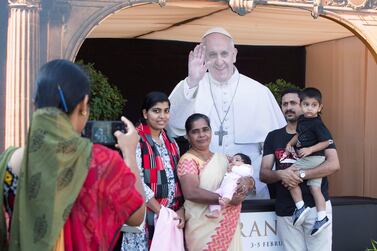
(199, 135)
(220, 56)
(290, 105)
(157, 117)
(311, 107)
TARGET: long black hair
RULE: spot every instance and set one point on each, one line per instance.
(62, 84)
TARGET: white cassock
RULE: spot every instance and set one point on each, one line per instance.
(253, 113)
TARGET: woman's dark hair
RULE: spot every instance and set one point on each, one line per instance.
(62, 84)
(151, 99)
(195, 117)
(246, 159)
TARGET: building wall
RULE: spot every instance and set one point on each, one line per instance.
(3, 59)
(346, 73)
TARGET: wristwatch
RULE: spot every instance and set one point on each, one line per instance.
(302, 174)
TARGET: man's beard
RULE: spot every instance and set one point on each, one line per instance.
(290, 119)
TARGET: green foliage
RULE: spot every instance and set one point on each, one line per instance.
(278, 86)
(106, 101)
(374, 246)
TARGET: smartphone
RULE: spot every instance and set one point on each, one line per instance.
(102, 132)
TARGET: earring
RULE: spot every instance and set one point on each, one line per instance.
(83, 113)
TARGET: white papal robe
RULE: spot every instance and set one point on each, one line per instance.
(253, 113)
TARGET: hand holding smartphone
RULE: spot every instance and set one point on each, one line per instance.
(102, 132)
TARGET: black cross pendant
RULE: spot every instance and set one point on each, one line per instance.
(221, 133)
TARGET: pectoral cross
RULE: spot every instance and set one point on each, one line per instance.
(221, 133)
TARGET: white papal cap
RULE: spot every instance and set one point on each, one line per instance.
(217, 30)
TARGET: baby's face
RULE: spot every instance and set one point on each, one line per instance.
(237, 160)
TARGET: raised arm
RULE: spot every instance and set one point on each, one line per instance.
(196, 66)
(181, 108)
(183, 96)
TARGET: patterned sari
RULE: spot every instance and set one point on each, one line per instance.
(201, 232)
(70, 194)
(106, 200)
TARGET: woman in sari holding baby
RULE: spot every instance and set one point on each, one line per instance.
(200, 172)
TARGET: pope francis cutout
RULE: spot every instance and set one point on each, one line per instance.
(242, 111)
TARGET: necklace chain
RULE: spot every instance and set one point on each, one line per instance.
(230, 104)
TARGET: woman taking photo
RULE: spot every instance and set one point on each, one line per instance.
(60, 191)
(200, 172)
(157, 157)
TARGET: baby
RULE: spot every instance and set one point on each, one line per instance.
(240, 167)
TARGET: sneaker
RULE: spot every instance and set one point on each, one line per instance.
(298, 216)
(320, 225)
